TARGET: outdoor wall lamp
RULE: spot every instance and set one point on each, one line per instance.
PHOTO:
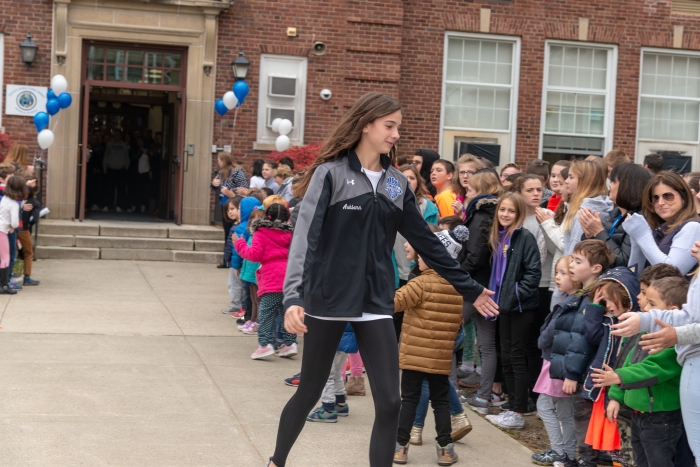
(28, 49)
(240, 67)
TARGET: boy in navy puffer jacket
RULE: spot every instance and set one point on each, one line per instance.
(572, 353)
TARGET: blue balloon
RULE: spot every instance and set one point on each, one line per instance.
(241, 89)
(65, 100)
(41, 121)
(53, 107)
(51, 95)
(220, 107)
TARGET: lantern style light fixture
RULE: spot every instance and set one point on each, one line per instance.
(240, 67)
(28, 49)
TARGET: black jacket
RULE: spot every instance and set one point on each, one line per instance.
(475, 256)
(521, 280)
(572, 353)
(340, 258)
(429, 157)
(29, 218)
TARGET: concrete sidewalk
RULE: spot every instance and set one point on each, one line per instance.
(122, 363)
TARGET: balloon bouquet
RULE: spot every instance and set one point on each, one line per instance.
(58, 99)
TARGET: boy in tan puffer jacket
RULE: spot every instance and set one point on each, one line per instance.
(432, 319)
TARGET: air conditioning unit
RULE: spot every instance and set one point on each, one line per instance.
(487, 148)
(676, 161)
(276, 112)
(282, 86)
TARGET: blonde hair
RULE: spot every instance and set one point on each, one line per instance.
(591, 183)
(520, 214)
(18, 155)
(348, 133)
(486, 183)
(465, 159)
(274, 199)
(283, 171)
(568, 259)
(229, 164)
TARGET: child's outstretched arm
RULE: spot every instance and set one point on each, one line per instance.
(254, 252)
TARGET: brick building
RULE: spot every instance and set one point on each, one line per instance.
(515, 80)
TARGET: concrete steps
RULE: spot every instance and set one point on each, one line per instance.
(129, 241)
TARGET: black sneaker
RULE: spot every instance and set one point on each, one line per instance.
(241, 320)
(568, 462)
(505, 407)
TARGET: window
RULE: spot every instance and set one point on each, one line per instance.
(479, 77)
(2, 67)
(283, 80)
(579, 97)
(480, 95)
(669, 101)
(106, 63)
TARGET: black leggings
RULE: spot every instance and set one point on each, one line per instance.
(377, 343)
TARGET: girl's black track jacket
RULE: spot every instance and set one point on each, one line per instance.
(340, 258)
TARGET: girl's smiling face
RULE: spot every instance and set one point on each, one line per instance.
(267, 171)
(506, 213)
(555, 181)
(382, 134)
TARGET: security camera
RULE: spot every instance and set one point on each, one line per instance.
(319, 48)
(326, 94)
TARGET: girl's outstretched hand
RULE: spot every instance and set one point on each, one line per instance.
(485, 305)
(294, 320)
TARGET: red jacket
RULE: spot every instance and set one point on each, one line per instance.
(270, 248)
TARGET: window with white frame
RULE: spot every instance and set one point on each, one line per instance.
(669, 100)
(282, 95)
(579, 100)
(479, 81)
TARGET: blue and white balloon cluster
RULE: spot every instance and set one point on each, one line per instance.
(232, 99)
(58, 99)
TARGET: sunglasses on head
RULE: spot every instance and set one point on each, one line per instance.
(668, 197)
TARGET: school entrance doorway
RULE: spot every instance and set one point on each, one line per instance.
(132, 133)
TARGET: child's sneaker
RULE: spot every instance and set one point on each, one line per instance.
(548, 457)
(400, 454)
(569, 462)
(446, 454)
(321, 415)
(478, 404)
(497, 400)
(263, 351)
(507, 420)
(229, 310)
(239, 314)
(293, 381)
(251, 329)
(241, 327)
(342, 410)
(288, 351)
(416, 436)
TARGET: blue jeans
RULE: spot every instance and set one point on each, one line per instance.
(655, 436)
(13, 249)
(422, 409)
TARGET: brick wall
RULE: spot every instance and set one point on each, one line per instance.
(17, 18)
(397, 47)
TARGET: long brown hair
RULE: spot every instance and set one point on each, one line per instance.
(486, 182)
(17, 155)
(591, 183)
(520, 213)
(676, 182)
(229, 164)
(16, 188)
(347, 134)
(421, 189)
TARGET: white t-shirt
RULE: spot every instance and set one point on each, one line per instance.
(257, 182)
(374, 178)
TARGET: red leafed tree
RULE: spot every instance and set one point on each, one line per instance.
(5, 143)
(302, 156)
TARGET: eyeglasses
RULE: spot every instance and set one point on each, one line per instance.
(468, 173)
(668, 197)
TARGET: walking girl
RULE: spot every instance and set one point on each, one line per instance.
(340, 267)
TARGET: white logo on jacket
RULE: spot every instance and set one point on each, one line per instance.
(352, 207)
(350, 182)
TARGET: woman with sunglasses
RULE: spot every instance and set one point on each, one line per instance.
(670, 224)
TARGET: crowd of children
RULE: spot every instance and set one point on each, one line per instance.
(583, 258)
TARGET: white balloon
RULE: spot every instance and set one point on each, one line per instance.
(59, 84)
(276, 125)
(230, 100)
(282, 143)
(285, 127)
(45, 139)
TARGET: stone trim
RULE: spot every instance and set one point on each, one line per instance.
(284, 50)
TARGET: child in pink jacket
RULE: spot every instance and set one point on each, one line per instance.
(270, 248)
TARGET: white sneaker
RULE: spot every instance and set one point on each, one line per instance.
(507, 420)
(287, 351)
